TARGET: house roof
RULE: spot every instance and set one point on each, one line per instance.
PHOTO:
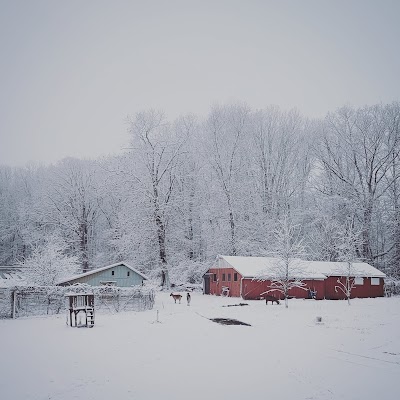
(250, 267)
(11, 275)
(95, 271)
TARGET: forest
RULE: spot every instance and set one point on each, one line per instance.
(188, 189)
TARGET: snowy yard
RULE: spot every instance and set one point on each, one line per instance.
(285, 354)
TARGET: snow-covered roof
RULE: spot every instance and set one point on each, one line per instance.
(360, 269)
(95, 271)
(250, 267)
(11, 275)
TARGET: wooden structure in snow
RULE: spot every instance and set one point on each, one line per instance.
(80, 309)
(119, 274)
(237, 277)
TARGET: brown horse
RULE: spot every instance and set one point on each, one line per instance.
(176, 297)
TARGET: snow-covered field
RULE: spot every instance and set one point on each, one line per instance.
(353, 354)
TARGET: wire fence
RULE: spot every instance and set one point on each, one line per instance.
(47, 300)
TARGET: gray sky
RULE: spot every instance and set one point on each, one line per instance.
(71, 71)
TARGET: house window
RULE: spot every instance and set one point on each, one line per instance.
(215, 277)
(112, 272)
(375, 281)
(359, 281)
(229, 277)
(128, 273)
(235, 276)
(223, 277)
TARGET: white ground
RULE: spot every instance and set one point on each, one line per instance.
(285, 354)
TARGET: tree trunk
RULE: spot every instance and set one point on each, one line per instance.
(83, 244)
(233, 233)
(366, 232)
(165, 284)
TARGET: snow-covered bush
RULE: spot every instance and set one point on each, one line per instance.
(392, 287)
(48, 263)
(187, 272)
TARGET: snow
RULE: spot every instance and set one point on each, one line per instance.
(250, 267)
(354, 353)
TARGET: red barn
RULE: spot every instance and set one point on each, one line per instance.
(236, 277)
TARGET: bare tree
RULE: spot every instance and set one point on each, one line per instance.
(226, 128)
(356, 153)
(278, 148)
(156, 152)
(74, 205)
(349, 243)
(287, 270)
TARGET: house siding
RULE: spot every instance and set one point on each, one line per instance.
(120, 277)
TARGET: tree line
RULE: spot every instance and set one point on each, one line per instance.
(189, 189)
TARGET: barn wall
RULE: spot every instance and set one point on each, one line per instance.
(216, 287)
(359, 291)
(120, 277)
(254, 289)
(315, 285)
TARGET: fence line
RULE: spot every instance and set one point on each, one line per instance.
(47, 300)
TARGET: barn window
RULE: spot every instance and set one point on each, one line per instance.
(215, 277)
(229, 277)
(359, 281)
(375, 281)
(223, 277)
(235, 276)
(128, 273)
(112, 272)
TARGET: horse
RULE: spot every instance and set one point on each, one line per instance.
(176, 297)
(272, 299)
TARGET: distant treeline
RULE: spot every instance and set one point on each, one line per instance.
(192, 188)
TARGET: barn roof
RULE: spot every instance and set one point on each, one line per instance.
(250, 267)
(95, 271)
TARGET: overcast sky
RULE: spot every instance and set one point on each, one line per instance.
(71, 71)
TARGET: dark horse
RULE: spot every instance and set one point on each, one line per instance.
(272, 299)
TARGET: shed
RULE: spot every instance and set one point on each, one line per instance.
(119, 274)
(237, 276)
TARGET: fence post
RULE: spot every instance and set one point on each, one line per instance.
(14, 301)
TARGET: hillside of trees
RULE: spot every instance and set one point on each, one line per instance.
(190, 189)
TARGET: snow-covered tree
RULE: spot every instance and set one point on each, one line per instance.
(156, 152)
(169, 199)
(225, 130)
(288, 253)
(74, 205)
(49, 263)
(356, 152)
(348, 249)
